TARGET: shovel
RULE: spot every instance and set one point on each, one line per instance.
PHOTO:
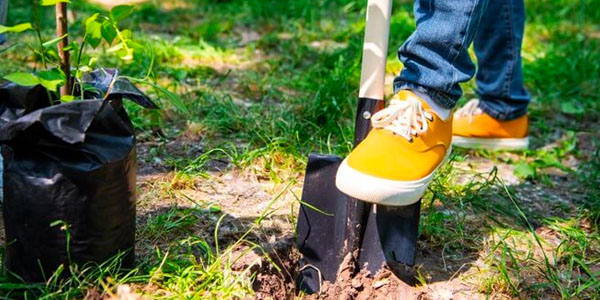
(334, 228)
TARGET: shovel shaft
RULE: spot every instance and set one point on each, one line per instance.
(358, 211)
(375, 47)
(372, 83)
(366, 108)
(374, 59)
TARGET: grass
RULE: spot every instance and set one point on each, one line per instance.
(263, 83)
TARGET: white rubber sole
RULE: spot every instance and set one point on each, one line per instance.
(491, 143)
(382, 191)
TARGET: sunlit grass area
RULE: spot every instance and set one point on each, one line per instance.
(264, 83)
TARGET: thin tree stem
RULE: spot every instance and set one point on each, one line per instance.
(62, 31)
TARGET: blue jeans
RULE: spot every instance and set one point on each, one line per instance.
(436, 57)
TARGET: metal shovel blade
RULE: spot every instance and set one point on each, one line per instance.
(321, 223)
(390, 239)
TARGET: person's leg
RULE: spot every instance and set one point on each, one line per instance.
(498, 121)
(411, 138)
(3, 12)
(436, 57)
(498, 49)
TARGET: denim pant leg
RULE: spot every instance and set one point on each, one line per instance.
(436, 57)
(498, 49)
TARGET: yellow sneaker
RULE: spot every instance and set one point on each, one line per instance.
(399, 157)
(475, 129)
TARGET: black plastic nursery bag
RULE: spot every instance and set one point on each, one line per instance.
(74, 162)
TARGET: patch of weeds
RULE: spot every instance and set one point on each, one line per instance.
(190, 267)
(556, 275)
(173, 222)
(526, 254)
(72, 281)
(547, 158)
(446, 212)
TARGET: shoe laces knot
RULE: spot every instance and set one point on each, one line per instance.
(470, 110)
(406, 118)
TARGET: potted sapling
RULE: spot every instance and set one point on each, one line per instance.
(69, 151)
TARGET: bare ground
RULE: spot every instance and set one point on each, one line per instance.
(244, 196)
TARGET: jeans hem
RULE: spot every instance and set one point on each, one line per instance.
(442, 99)
(502, 116)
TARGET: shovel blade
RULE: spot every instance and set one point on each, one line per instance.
(390, 239)
(321, 223)
(388, 236)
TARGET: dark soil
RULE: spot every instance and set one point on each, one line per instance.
(275, 278)
(272, 283)
(363, 286)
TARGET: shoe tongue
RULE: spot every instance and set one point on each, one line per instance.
(427, 103)
(470, 109)
(404, 95)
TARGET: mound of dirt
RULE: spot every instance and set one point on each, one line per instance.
(275, 276)
(277, 282)
(363, 286)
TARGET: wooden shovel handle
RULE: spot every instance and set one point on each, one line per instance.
(375, 47)
(374, 59)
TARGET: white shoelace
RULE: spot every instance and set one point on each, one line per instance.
(470, 110)
(405, 118)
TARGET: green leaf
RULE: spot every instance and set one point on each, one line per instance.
(17, 28)
(120, 12)
(53, 2)
(53, 42)
(571, 108)
(90, 88)
(108, 31)
(52, 54)
(524, 170)
(127, 34)
(91, 19)
(52, 79)
(136, 46)
(550, 160)
(173, 98)
(24, 79)
(115, 48)
(67, 98)
(73, 46)
(92, 62)
(125, 54)
(93, 31)
(56, 223)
